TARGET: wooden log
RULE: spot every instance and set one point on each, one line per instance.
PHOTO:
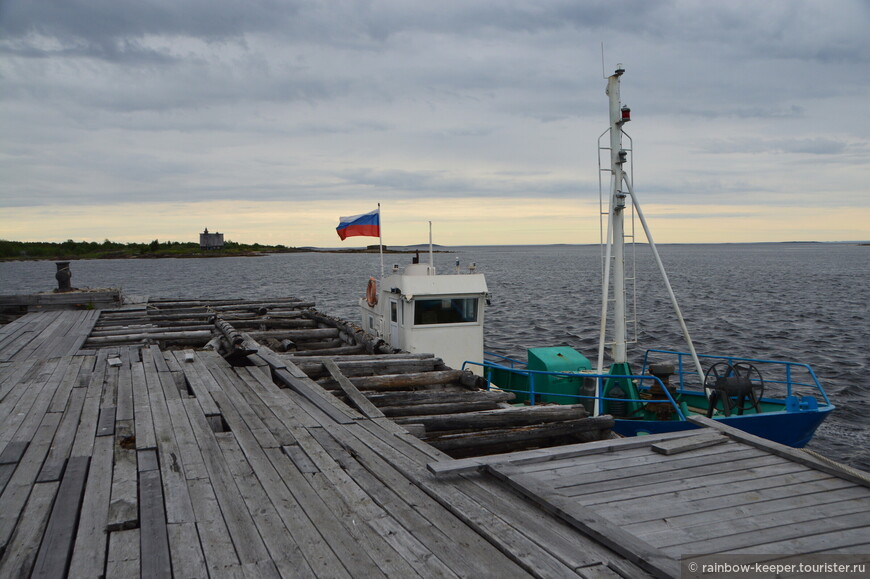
(356, 335)
(199, 335)
(405, 381)
(443, 408)
(322, 345)
(367, 367)
(502, 418)
(465, 440)
(142, 329)
(295, 335)
(455, 395)
(273, 323)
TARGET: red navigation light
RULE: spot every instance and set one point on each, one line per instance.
(626, 114)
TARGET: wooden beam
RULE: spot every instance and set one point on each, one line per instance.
(782, 450)
(55, 552)
(355, 396)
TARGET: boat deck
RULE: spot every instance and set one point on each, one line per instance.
(129, 458)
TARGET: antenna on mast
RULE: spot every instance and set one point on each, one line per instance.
(603, 70)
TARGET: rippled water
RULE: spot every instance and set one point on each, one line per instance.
(801, 302)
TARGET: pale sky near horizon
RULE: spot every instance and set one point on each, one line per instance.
(267, 121)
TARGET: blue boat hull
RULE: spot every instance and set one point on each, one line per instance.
(793, 429)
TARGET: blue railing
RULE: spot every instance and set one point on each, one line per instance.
(488, 367)
(788, 369)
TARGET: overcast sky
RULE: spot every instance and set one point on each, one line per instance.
(267, 120)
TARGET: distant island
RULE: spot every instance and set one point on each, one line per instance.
(70, 250)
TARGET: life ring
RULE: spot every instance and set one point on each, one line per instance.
(372, 292)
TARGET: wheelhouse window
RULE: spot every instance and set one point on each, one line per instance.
(445, 311)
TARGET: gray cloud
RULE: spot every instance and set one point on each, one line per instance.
(107, 101)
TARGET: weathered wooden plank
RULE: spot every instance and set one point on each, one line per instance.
(591, 524)
(124, 504)
(23, 546)
(143, 421)
(28, 411)
(773, 468)
(801, 493)
(61, 447)
(85, 434)
(575, 480)
(14, 451)
(318, 554)
(722, 535)
(89, 557)
(546, 455)
(13, 373)
(280, 542)
(6, 471)
(687, 444)
(812, 543)
(229, 398)
(781, 450)
(18, 401)
(18, 488)
(430, 551)
(68, 381)
(330, 526)
(218, 552)
(238, 520)
(200, 381)
(264, 411)
(329, 405)
(124, 410)
(395, 551)
(189, 452)
(300, 459)
(147, 460)
(186, 552)
(106, 422)
(514, 547)
(123, 558)
(153, 535)
(356, 397)
(175, 493)
(56, 549)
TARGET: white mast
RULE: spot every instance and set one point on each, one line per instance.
(616, 240)
(615, 233)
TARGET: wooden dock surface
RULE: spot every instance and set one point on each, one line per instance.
(659, 498)
(129, 459)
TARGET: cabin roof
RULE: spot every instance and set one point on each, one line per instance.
(421, 285)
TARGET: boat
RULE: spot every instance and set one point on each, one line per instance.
(777, 400)
(418, 310)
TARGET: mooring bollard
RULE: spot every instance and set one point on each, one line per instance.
(63, 276)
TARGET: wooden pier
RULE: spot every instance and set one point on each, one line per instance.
(240, 438)
(659, 498)
(127, 448)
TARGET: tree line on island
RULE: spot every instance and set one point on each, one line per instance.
(71, 249)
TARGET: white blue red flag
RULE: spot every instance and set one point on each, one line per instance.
(364, 224)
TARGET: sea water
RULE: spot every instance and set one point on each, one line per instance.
(804, 302)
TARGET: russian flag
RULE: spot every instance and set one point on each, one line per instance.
(365, 224)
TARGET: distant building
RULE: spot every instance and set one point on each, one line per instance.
(211, 240)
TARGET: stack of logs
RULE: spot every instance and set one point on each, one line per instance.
(448, 408)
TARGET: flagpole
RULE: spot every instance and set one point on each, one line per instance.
(380, 240)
